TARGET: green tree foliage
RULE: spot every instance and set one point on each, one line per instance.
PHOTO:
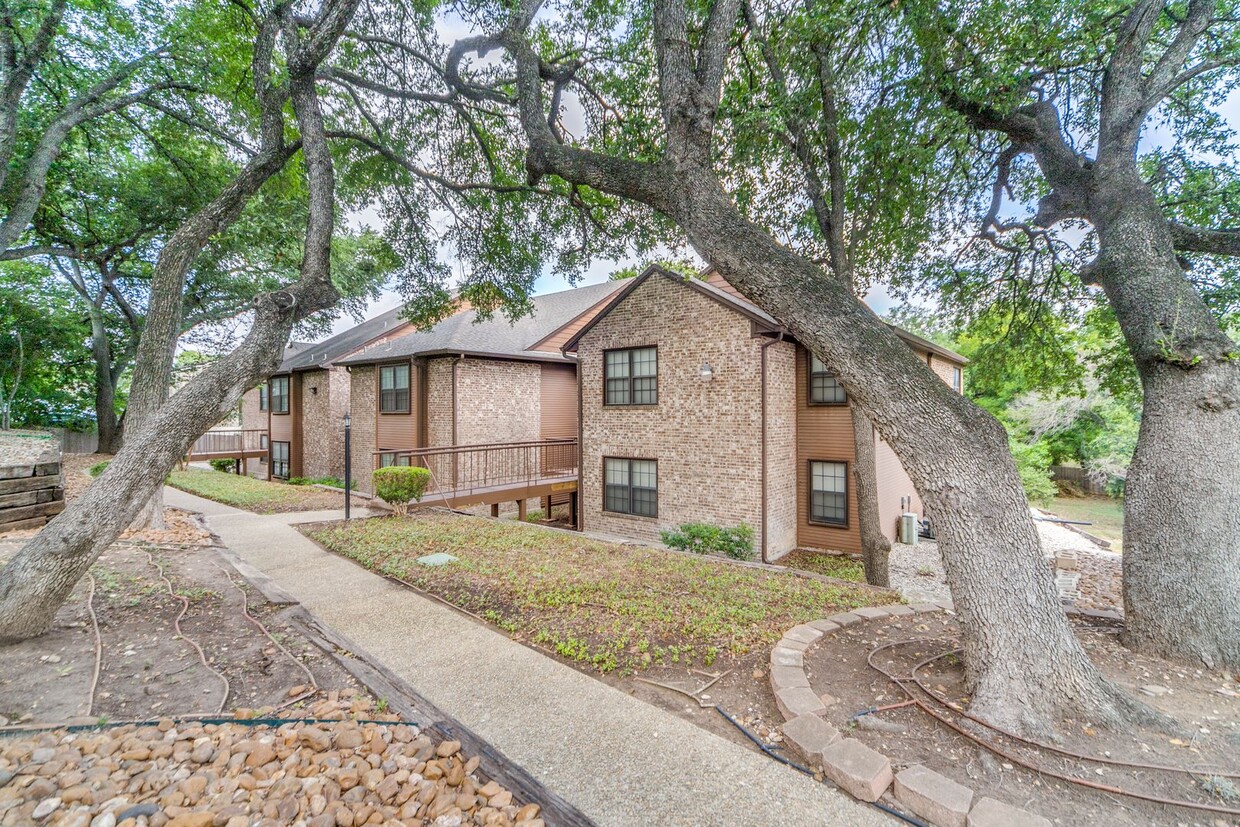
(683, 266)
(44, 368)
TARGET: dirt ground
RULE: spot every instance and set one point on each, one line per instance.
(1206, 704)
(122, 621)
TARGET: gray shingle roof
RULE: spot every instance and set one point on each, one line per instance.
(305, 356)
(497, 336)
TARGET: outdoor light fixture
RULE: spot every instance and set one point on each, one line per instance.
(706, 372)
(348, 462)
(314, 390)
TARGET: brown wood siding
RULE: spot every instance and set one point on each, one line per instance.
(716, 280)
(893, 484)
(824, 433)
(399, 430)
(297, 446)
(557, 405)
(558, 338)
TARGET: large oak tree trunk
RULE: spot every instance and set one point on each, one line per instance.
(1182, 496)
(40, 577)
(875, 548)
(1025, 666)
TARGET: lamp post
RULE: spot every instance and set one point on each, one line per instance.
(348, 463)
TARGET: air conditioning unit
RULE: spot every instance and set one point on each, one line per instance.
(908, 528)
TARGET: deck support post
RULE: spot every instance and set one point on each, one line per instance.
(573, 519)
(521, 509)
(495, 510)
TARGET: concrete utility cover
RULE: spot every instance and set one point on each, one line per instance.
(437, 559)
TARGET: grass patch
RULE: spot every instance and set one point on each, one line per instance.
(610, 606)
(1106, 514)
(252, 494)
(831, 565)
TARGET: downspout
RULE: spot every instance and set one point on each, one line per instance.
(762, 463)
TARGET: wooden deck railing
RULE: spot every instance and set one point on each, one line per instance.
(467, 469)
(229, 442)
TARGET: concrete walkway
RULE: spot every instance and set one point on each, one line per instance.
(619, 760)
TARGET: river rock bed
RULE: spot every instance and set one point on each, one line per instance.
(189, 774)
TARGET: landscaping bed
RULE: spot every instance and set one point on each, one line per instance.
(115, 654)
(1207, 705)
(609, 606)
(682, 632)
(259, 496)
(841, 566)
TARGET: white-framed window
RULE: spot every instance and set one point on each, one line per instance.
(262, 397)
(828, 493)
(824, 386)
(958, 380)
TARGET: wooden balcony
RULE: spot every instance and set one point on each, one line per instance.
(498, 472)
(229, 443)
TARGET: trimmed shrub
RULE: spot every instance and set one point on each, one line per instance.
(398, 485)
(704, 538)
(225, 465)
(98, 468)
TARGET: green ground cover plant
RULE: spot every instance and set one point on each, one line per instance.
(839, 566)
(260, 496)
(610, 606)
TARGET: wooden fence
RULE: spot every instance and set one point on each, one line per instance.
(1090, 483)
(77, 442)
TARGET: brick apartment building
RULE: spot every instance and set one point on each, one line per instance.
(695, 408)
(686, 402)
(470, 381)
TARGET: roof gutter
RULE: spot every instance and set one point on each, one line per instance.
(762, 382)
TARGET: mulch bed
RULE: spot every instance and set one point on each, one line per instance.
(1207, 704)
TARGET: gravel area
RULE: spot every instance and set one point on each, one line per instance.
(1086, 574)
(917, 572)
(27, 448)
(187, 774)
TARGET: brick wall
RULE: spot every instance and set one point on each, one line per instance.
(497, 401)
(439, 402)
(942, 367)
(706, 436)
(362, 404)
(781, 449)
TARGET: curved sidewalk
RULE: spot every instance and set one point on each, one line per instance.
(619, 760)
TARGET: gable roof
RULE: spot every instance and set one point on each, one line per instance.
(321, 354)
(717, 287)
(497, 337)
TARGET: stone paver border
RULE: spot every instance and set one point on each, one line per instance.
(856, 768)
